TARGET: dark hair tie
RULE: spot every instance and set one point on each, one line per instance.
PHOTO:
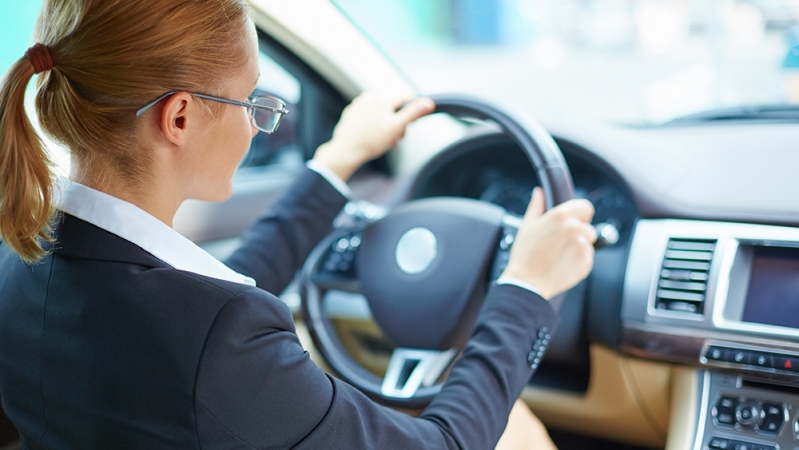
(40, 57)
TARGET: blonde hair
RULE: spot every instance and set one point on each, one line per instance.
(111, 57)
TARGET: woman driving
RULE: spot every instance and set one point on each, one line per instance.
(117, 332)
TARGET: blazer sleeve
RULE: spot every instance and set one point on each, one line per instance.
(257, 387)
(276, 245)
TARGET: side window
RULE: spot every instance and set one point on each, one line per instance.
(282, 147)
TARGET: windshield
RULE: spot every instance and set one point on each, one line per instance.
(623, 61)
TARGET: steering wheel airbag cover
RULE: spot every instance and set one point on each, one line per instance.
(432, 308)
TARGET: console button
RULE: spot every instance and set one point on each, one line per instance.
(727, 403)
(719, 444)
(726, 418)
(796, 429)
(748, 413)
(760, 359)
(774, 418)
(715, 353)
(736, 356)
(764, 447)
(788, 363)
(725, 410)
(771, 424)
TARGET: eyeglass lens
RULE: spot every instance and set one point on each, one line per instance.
(265, 119)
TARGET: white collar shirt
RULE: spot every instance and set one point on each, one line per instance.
(133, 224)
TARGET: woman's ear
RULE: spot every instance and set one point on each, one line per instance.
(175, 118)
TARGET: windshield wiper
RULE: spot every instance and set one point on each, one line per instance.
(770, 113)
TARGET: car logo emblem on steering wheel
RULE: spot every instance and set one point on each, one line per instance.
(416, 250)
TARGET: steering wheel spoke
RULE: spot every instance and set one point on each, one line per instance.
(410, 369)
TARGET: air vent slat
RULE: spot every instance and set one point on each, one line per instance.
(676, 264)
(683, 277)
(688, 255)
(680, 295)
(693, 246)
(683, 285)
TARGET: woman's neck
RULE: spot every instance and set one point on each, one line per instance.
(155, 195)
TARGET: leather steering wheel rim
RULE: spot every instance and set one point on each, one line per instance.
(556, 181)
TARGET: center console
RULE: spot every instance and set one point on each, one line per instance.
(724, 297)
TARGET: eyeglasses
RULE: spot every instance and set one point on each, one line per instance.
(265, 112)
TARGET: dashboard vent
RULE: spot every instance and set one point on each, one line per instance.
(683, 277)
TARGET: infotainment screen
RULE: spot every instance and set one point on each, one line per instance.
(773, 294)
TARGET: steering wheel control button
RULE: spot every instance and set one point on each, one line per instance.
(342, 245)
(416, 250)
(340, 258)
(748, 413)
(503, 253)
(507, 241)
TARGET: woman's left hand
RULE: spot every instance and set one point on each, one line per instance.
(368, 127)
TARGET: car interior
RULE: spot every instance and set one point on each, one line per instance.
(684, 337)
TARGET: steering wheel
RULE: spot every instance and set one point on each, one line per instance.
(424, 268)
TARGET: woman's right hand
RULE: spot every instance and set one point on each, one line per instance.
(553, 251)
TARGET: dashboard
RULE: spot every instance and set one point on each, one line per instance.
(491, 168)
(697, 283)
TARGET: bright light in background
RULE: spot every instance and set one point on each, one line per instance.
(661, 25)
(684, 92)
(630, 61)
(744, 25)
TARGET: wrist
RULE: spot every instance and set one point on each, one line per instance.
(515, 278)
(334, 158)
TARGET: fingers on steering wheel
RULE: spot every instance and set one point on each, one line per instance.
(415, 109)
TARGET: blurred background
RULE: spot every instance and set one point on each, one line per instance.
(626, 61)
(621, 61)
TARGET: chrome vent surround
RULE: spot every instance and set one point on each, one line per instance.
(683, 276)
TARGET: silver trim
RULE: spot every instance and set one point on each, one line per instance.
(429, 365)
(643, 269)
(704, 398)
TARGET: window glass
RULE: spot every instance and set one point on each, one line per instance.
(281, 147)
(623, 61)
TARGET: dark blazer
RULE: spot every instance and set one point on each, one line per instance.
(104, 346)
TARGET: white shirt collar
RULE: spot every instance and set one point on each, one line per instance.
(140, 228)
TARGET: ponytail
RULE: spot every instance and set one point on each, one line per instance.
(111, 58)
(26, 180)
